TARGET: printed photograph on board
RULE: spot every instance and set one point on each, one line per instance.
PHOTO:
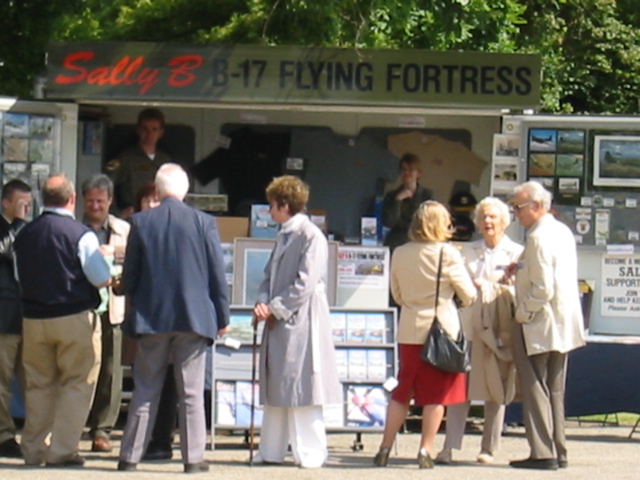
(41, 127)
(571, 141)
(569, 165)
(542, 164)
(542, 140)
(16, 125)
(15, 149)
(366, 406)
(506, 145)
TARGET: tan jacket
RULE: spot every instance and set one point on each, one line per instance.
(414, 268)
(118, 237)
(547, 296)
(488, 322)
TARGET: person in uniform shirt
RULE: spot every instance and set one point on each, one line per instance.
(138, 165)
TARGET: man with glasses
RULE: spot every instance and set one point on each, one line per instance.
(548, 324)
(112, 233)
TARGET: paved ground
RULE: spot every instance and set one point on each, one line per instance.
(596, 452)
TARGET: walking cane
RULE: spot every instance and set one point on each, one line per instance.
(254, 357)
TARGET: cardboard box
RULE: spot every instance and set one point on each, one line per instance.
(230, 228)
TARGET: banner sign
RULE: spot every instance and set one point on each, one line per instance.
(291, 75)
(620, 293)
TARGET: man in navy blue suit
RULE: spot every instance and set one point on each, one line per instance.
(174, 275)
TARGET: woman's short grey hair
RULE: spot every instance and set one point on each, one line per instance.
(503, 210)
(100, 182)
(536, 193)
(172, 181)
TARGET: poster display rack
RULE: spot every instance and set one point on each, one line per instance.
(366, 356)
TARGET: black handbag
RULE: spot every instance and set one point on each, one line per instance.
(440, 350)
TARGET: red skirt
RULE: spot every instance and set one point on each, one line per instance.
(424, 383)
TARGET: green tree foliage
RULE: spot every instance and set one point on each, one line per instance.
(590, 51)
(25, 28)
(590, 48)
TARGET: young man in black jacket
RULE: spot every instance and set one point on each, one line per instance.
(16, 201)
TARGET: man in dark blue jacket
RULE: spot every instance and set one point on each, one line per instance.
(16, 201)
(174, 274)
(60, 268)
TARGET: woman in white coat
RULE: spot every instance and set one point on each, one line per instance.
(487, 324)
(298, 372)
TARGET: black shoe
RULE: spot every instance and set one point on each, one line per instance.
(535, 463)
(563, 462)
(126, 466)
(155, 452)
(382, 457)
(424, 459)
(75, 461)
(10, 448)
(196, 467)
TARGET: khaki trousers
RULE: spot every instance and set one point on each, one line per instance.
(491, 431)
(61, 359)
(10, 346)
(106, 401)
(542, 380)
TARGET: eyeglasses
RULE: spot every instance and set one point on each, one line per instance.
(518, 208)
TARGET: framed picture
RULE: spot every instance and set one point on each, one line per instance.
(250, 257)
(616, 161)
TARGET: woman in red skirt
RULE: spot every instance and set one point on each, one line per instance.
(414, 269)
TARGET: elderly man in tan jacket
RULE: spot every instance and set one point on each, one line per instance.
(548, 324)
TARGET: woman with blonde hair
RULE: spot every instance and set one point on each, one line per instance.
(414, 273)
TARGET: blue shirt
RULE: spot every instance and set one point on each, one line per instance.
(93, 263)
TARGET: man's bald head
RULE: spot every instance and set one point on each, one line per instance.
(58, 191)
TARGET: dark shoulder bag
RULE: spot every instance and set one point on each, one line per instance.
(440, 350)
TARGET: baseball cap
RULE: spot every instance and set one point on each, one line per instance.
(463, 202)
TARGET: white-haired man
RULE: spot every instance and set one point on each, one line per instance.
(174, 274)
(548, 324)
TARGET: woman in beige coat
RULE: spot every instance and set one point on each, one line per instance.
(487, 324)
(414, 268)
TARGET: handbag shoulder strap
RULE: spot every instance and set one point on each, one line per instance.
(435, 310)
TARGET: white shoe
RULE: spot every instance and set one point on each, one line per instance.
(444, 457)
(484, 457)
(257, 459)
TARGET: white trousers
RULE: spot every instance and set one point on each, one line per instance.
(301, 427)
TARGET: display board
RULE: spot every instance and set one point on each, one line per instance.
(30, 146)
(591, 164)
(366, 357)
(593, 172)
(362, 276)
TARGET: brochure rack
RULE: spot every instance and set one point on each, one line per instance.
(366, 356)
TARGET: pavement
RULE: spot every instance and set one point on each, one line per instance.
(595, 452)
